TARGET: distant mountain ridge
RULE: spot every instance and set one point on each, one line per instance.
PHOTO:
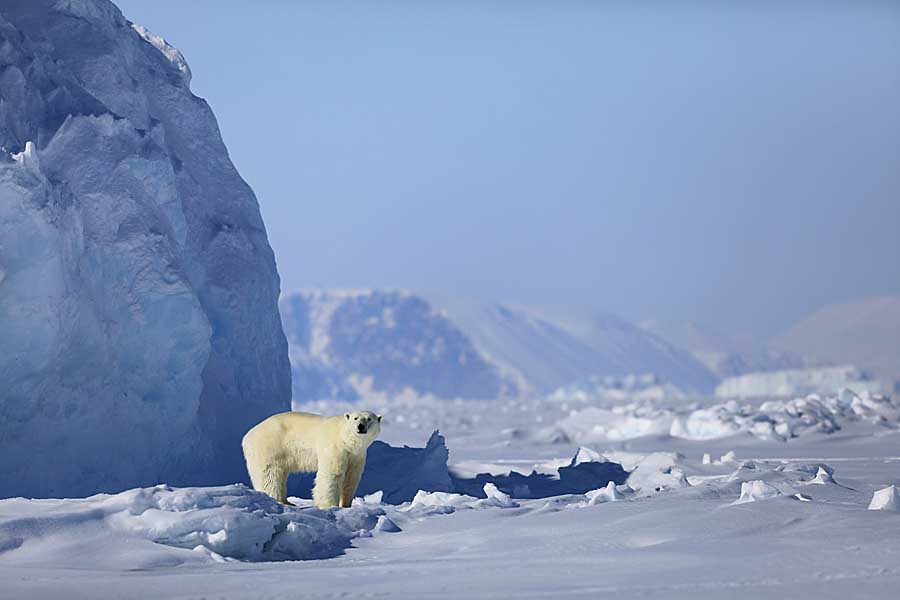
(724, 354)
(555, 346)
(352, 343)
(865, 333)
(349, 344)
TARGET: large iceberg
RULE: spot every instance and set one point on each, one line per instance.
(139, 329)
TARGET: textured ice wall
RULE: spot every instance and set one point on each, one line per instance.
(139, 328)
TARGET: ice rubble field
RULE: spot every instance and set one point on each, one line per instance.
(787, 499)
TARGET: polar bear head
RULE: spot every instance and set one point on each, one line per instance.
(363, 425)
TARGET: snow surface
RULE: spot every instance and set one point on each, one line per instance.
(675, 528)
(138, 292)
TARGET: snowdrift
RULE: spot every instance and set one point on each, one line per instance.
(204, 523)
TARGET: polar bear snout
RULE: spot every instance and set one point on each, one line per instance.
(361, 428)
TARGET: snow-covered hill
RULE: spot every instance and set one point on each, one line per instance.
(139, 330)
(552, 347)
(725, 354)
(347, 344)
(865, 333)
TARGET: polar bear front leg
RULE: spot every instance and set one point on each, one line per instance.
(351, 481)
(329, 479)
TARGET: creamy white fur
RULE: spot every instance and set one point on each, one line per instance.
(331, 447)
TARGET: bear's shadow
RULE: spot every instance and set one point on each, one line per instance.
(572, 479)
(400, 472)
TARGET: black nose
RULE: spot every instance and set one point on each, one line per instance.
(361, 428)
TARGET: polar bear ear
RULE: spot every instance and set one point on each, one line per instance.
(379, 418)
(347, 415)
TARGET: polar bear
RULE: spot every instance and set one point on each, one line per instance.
(332, 447)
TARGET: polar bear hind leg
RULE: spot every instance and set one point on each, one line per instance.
(272, 480)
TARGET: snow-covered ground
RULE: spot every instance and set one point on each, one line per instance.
(722, 510)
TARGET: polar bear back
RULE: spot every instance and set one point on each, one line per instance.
(292, 439)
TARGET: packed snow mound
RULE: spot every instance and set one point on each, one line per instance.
(886, 499)
(823, 477)
(799, 382)
(778, 420)
(753, 491)
(608, 494)
(218, 522)
(497, 498)
(354, 344)
(138, 292)
(657, 472)
(447, 502)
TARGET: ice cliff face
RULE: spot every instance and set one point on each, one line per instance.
(139, 330)
(355, 344)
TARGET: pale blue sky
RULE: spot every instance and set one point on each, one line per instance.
(733, 163)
